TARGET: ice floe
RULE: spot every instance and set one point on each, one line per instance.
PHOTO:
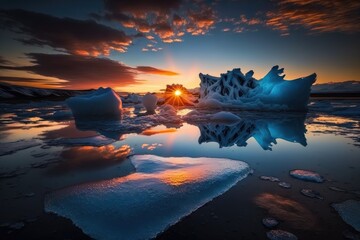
(311, 193)
(280, 235)
(270, 222)
(307, 175)
(349, 211)
(156, 196)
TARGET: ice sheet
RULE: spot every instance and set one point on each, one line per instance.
(143, 204)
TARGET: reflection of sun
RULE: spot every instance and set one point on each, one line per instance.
(177, 93)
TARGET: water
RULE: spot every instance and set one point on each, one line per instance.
(39, 155)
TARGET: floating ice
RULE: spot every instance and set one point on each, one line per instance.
(280, 235)
(270, 222)
(234, 89)
(225, 117)
(149, 102)
(271, 179)
(132, 98)
(143, 204)
(102, 103)
(307, 175)
(284, 185)
(349, 212)
(311, 193)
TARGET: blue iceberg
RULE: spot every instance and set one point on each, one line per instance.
(237, 90)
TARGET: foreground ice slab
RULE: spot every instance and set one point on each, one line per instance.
(349, 212)
(143, 204)
(272, 92)
(102, 103)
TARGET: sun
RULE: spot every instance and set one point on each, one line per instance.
(177, 93)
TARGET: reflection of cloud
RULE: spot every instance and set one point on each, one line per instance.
(88, 157)
(288, 210)
(168, 20)
(316, 15)
(81, 71)
(82, 37)
(151, 147)
(150, 132)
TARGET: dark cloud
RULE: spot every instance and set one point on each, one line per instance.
(168, 20)
(151, 70)
(40, 82)
(84, 72)
(80, 37)
(315, 15)
(81, 72)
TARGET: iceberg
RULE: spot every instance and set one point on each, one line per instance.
(102, 103)
(145, 203)
(149, 102)
(349, 211)
(237, 90)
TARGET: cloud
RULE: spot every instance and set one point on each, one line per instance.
(151, 70)
(36, 82)
(84, 72)
(80, 37)
(318, 16)
(168, 20)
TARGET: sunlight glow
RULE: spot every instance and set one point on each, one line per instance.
(177, 93)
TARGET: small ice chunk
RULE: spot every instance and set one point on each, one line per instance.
(307, 175)
(337, 189)
(311, 193)
(149, 101)
(101, 103)
(280, 235)
(270, 222)
(225, 117)
(284, 184)
(145, 203)
(349, 212)
(271, 179)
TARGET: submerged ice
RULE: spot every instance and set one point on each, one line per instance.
(235, 89)
(143, 204)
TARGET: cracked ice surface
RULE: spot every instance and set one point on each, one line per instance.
(143, 204)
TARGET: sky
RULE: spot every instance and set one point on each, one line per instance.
(141, 46)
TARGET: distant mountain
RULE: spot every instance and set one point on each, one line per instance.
(339, 87)
(14, 92)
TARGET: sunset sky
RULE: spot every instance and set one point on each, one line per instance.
(141, 46)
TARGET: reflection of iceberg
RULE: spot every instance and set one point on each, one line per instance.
(235, 89)
(265, 131)
(143, 204)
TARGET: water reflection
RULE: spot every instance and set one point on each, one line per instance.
(88, 157)
(265, 131)
(294, 213)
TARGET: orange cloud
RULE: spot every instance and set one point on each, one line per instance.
(152, 70)
(315, 15)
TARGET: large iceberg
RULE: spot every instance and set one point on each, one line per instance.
(237, 90)
(145, 203)
(102, 103)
